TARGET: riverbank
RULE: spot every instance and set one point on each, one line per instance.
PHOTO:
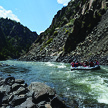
(103, 60)
(14, 93)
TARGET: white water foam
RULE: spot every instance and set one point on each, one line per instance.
(99, 88)
(62, 66)
(103, 98)
(49, 64)
(105, 68)
(59, 65)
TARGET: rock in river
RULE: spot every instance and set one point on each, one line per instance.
(14, 93)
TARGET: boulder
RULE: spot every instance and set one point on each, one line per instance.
(11, 96)
(17, 100)
(48, 106)
(57, 103)
(27, 104)
(44, 95)
(20, 91)
(29, 94)
(16, 86)
(6, 89)
(7, 98)
(1, 97)
(1, 78)
(19, 81)
(41, 88)
(2, 82)
(9, 80)
(9, 106)
(41, 92)
(24, 85)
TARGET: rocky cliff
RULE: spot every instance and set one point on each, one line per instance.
(78, 31)
(15, 39)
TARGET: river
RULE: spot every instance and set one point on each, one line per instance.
(88, 88)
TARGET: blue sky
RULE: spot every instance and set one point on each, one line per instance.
(37, 15)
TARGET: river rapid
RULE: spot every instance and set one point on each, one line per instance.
(88, 88)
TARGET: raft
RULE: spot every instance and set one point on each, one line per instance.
(96, 67)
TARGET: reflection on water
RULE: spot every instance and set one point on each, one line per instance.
(87, 87)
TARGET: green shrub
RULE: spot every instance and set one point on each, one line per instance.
(72, 21)
(45, 44)
(89, 25)
(42, 47)
(99, 14)
(69, 34)
(55, 33)
(67, 31)
(49, 41)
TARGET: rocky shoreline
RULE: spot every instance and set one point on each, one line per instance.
(14, 93)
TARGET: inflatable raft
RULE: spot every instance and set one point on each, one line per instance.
(96, 67)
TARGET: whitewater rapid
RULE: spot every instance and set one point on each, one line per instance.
(83, 85)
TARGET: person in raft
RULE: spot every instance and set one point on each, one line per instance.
(91, 64)
(72, 64)
(96, 62)
(84, 64)
(76, 64)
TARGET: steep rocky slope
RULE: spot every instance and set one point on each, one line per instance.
(95, 45)
(15, 39)
(66, 38)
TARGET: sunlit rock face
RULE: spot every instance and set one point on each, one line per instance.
(71, 33)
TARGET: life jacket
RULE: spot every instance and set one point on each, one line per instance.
(76, 64)
(72, 64)
(87, 64)
(91, 64)
(96, 63)
(84, 65)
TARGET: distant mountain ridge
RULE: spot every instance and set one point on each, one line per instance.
(15, 39)
(70, 27)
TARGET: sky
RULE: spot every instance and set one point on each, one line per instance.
(37, 15)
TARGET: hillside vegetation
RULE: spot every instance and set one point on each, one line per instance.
(15, 39)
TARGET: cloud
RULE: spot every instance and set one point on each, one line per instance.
(8, 14)
(41, 32)
(64, 2)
